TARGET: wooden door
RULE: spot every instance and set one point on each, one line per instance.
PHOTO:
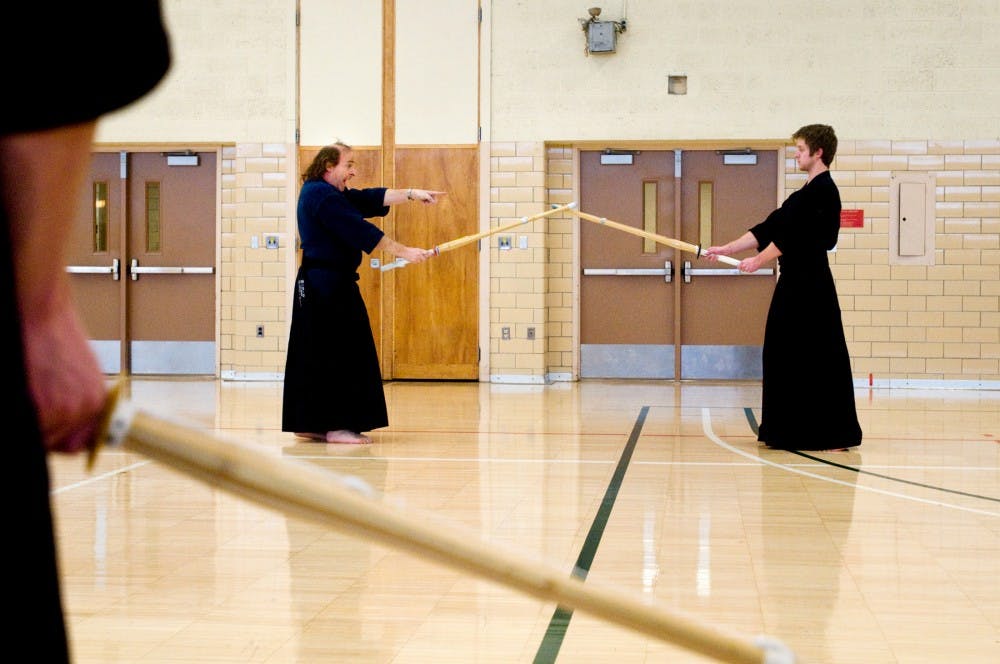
(424, 317)
(435, 321)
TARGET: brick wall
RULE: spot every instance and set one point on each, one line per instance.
(254, 283)
(938, 322)
(518, 276)
(563, 283)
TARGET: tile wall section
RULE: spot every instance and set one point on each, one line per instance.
(518, 276)
(562, 276)
(938, 322)
(254, 281)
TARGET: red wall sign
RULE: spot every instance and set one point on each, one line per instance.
(852, 218)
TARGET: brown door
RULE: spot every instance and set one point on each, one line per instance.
(95, 260)
(649, 311)
(722, 310)
(158, 311)
(171, 288)
(626, 298)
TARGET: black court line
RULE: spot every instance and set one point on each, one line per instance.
(549, 647)
(753, 426)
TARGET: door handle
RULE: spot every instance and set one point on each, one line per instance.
(719, 272)
(112, 269)
(666, 271)
(135, 270)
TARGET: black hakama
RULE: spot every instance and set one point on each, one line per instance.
(808, 388)
(332, 375)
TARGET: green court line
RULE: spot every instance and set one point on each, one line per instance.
(548, 650)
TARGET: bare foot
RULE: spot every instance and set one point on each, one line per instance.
(318, 437)
(347, 437)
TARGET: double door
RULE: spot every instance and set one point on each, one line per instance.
(649, 310)
(142, 262)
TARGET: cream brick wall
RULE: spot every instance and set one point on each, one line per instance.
(563, 283)
(254, 283)
(518, 277)
(903, 323)
(922, 323)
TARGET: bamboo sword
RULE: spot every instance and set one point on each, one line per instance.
(475, 237)
(662, 239)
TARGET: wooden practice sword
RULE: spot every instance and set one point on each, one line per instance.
(475, 237)
(695, 249)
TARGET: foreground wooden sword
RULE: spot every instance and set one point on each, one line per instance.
(475, 237)
(695, 249)
(350, 505)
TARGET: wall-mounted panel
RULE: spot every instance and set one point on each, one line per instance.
(911, 218)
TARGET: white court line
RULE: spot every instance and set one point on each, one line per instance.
(608, 462)
(575, 462)
(707, 426)
(706, 423)
(100, 478)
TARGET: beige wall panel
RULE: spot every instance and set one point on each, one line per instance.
(232, 77)
(436, 71)
(873, 70)
(341, 89)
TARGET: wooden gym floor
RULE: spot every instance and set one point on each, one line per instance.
(889, 553)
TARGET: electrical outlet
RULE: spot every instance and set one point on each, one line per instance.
(270, 241)
(505, 333)
(260, 330)
(504, 242)
(531, 333)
